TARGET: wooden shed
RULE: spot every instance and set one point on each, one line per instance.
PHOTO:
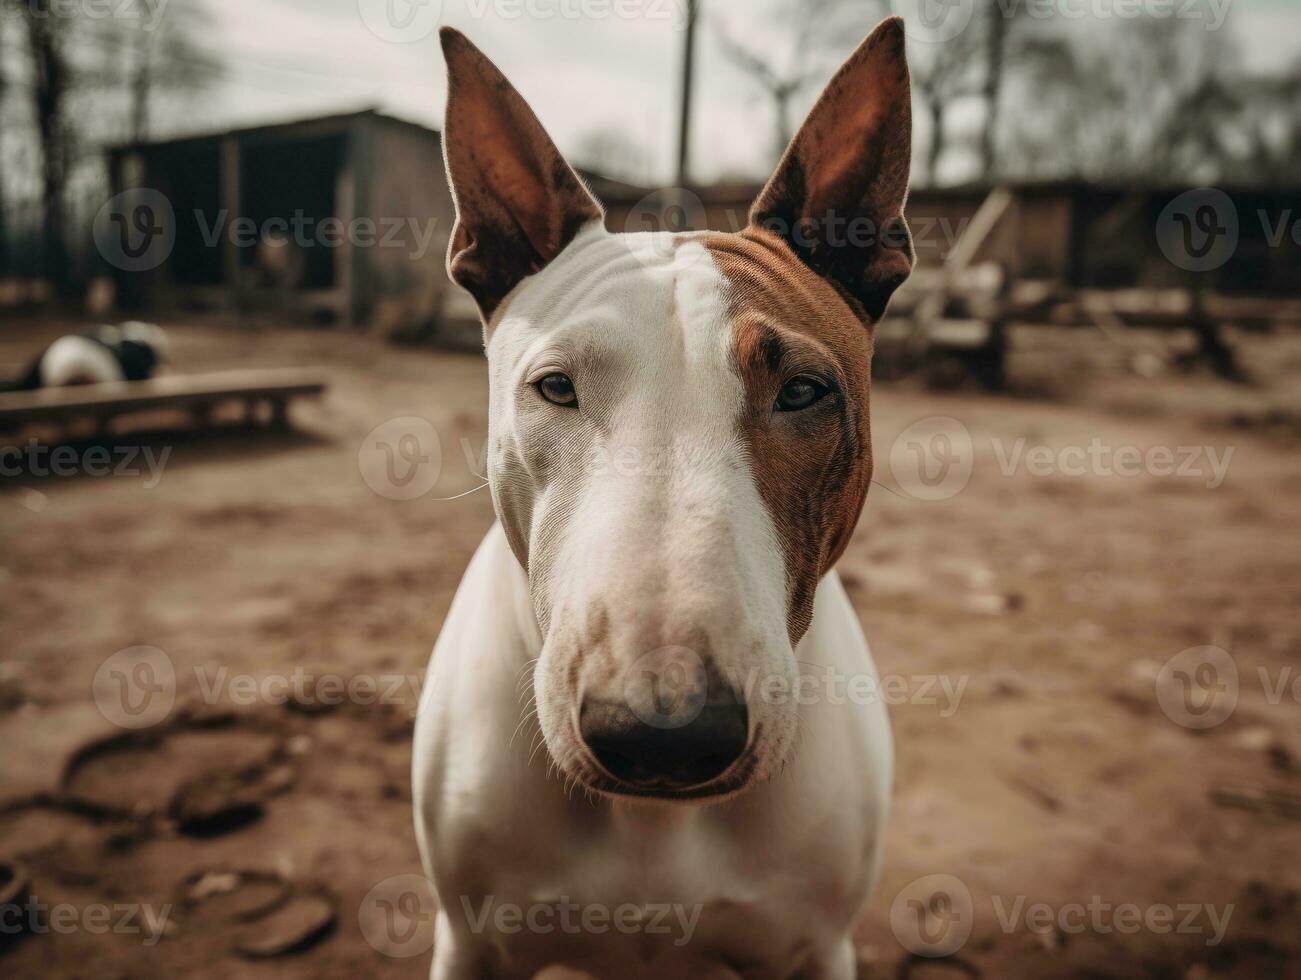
(339, 219)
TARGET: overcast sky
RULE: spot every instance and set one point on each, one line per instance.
(585, 67)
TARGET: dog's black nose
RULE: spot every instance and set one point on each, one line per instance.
(677, 757)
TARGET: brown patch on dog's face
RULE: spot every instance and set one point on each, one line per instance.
(812, 466)
(826, 248)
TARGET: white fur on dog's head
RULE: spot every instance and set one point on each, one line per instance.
(673, 523)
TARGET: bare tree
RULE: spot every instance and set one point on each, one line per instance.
(996, 37)
(816, 32)
(1054, 132)
(1151, 101)
(170, 57)
(612, 152)
(779, 87)
(51, 79)
(1278, 106)
(943, 75)
(94, 81)
(4, 88)
(127, 68)
(1230, 127)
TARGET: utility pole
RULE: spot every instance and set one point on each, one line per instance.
(4, 234)
(688, 64)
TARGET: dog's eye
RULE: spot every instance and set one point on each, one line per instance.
(800, 393)
(559, 390)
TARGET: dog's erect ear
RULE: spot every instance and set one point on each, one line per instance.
(838, 195)
(518, 203)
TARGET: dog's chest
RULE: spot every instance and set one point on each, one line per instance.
(669, 893)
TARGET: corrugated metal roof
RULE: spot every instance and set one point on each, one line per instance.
(269, 128)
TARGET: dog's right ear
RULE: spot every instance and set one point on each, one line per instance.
(518, 203)
(838, 195)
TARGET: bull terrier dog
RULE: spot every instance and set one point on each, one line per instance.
(619, 766)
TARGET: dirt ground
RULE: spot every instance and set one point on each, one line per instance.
(1028, 617)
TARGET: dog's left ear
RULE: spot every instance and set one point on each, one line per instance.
(518, 203)
(838, 195)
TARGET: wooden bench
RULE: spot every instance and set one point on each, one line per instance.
(197, 394)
